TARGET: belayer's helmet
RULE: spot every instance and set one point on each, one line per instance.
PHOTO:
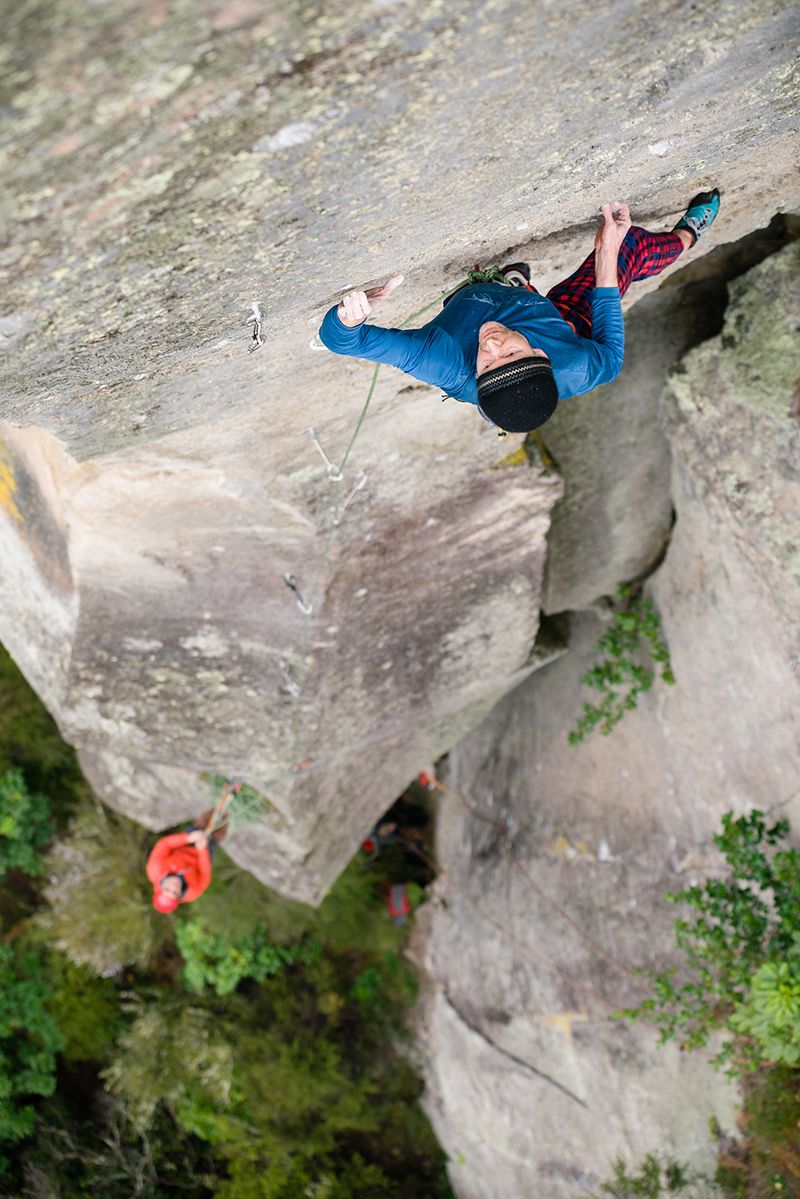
(163, 902)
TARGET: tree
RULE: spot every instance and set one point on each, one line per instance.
(177, 1054)
(101, 915)
(29, 1042)
(25, 825)
(30, 740)
(85, 1008)
(214, 960)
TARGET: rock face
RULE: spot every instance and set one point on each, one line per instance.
(166, 166)
(556, 859)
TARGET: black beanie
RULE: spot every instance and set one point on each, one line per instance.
(518, 396)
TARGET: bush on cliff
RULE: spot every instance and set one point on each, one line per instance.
(741, 952)
(741, 947)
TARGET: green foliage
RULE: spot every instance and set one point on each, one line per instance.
(770, 1014)
(101, 912)
(621, 674)
(741, 925)
(29, 1042)
(86, 1009)
(285, 1177)
(352, 919)
(287, 1072)
(213, 960)
(177, 1054)
(97, 1152)
(366, 989)
(652, 1181)
(25, 825)
(30, 741)
(766, 1159)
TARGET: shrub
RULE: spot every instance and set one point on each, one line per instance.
(287, 1177)
(25, 825)
(652, 1181)
(173, 1053)
(770, 1014)
(101, 914)
(85, 1008)
(95, 1151)
(213, 960)
(621, 674)
(765, 1160)
(29, 1042)
(742, 924)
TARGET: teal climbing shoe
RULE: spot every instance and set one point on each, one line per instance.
(700, 214)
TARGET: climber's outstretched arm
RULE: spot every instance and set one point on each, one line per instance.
(157, 865)
(425, 353)
(403, 348)
(606, 348)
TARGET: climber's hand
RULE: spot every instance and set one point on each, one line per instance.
(616, 221)
(197, 838)
(356, 306)
(615, 224)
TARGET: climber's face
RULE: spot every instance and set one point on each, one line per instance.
(498, 345)
(172, 886)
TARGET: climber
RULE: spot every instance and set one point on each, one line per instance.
(515, 354)
(179, 866)
(402, 825)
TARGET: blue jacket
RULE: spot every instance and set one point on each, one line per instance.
(444, 351)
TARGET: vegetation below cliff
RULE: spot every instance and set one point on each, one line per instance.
(134, 1071)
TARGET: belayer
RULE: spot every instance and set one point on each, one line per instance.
(179, 866)
(511, 351)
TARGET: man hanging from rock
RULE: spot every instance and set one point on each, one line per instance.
(511, 351)
(179, 866)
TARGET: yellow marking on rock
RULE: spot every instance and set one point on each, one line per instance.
(519, 457)
(8, 485)
(562, 847)
(563, 1021)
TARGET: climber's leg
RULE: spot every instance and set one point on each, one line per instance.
(641, 255)
(699, 216)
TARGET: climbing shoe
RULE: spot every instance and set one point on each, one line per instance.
(517, 273)
(700, 214)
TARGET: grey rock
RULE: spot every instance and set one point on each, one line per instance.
(170, 483)
(546, 921)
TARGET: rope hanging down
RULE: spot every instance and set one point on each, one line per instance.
(222, 808)
(294, 684)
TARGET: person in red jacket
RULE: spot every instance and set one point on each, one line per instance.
(179, 866)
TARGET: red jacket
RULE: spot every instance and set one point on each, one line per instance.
(174, 855)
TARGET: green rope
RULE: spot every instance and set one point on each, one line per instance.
(323, 561)
(490, 275)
